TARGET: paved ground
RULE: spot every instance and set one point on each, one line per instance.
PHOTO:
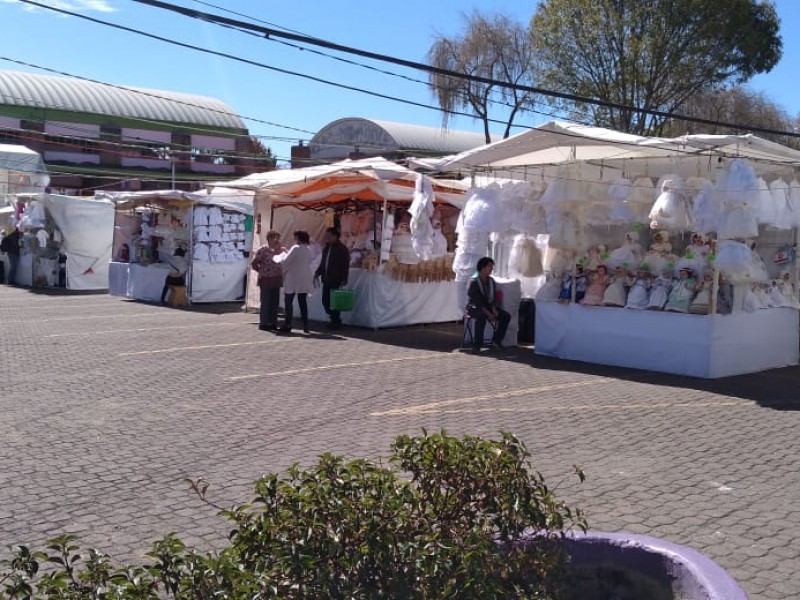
(108, 405)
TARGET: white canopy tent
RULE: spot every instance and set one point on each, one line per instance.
(704, 345)
(85, 228)
(374, 182)
(207, 281)
(21, 170)
(556, 144)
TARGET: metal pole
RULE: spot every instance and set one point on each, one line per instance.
(172, 163)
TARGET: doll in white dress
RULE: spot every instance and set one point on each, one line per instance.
(701, 304)
(596, 290)
(639, 289)
(659, 292)
(785, 287)
(615, 293)
(682, 294)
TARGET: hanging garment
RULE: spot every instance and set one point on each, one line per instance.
(200, 217)
(215, 216)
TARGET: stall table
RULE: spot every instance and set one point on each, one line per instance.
(381, 301)
(137, 281)
(708, 346)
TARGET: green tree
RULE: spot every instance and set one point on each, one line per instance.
(653, 55)
(494, 47)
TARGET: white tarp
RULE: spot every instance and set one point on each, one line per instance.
(21, 170)
(87, 228)
(557, 143)
(227, 198)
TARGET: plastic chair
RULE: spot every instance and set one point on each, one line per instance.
(468, 338)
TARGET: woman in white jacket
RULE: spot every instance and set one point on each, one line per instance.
(297, 279)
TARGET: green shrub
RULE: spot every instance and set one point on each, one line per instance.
(437, 522)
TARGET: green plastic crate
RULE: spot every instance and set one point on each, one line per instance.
(342, 300)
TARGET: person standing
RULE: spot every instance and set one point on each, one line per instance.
(177, 275)
(297, 279)
(10, 245)
(270, 280)
(483, 306)
(333, 270)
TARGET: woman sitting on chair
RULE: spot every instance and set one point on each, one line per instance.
(484, 306)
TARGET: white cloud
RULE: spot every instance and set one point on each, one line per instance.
(72, 5)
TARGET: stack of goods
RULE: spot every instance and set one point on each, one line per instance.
(219, 236)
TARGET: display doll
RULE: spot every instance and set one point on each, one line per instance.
(565, 293)
(724, 296)
(639, 292)
(439, 241)
(784, 284)
(682, 294)
(615, 292)
(701, 303)
(595, 258)
(549, 292)
(629, 255)
(659, 292)
(659, 254)
(580, 283)
(751, 301)
(596, 288)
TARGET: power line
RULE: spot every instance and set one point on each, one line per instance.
(272, 32)
(153, 95)
(254, 63)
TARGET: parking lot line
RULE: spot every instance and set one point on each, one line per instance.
(350, 365)
(139, 329)
(432, 407)
(566, 408)
(206, 347)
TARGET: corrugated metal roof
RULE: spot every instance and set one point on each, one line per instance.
(373, 136)
(76, 95)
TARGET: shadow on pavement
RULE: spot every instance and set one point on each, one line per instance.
(777, 389)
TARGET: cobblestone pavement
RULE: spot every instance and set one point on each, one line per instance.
(107, 405)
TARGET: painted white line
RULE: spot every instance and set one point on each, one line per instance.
(574, 408)
(165, 327)
(206, 347)
(362, 363)
(438, 406)
(85, 317)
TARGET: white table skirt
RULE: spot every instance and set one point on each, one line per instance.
(696, 345)
(218, 282)
(384, 302)
(137, 281)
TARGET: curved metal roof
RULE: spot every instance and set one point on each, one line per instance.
(373, 136)
(76, 95)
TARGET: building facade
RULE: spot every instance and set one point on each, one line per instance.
(99, 136)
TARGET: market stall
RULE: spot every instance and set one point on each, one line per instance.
(65, 241)
(675, 255)
(212, 231)
(394, 222)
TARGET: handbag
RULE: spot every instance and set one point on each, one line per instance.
(342, 300)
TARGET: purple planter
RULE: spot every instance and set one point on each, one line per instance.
(691, 575)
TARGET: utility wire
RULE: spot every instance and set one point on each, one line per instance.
(159, 97)
(255, 63)
(313, 41)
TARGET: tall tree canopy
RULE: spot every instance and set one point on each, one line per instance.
(652, 55)
(494, 47)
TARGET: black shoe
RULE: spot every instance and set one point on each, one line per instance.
(285, 329)
(267, 327)
(334, 325)
(498, 345)
(474, 350)
(305, 328)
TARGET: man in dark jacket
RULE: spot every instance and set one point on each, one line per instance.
(10, 245)
(333, 270)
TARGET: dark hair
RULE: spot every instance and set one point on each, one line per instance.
(486, 260)
(302, 237)
(333, 231)
(179, 252)
(272, 234)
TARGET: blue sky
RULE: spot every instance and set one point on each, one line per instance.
(406, 29)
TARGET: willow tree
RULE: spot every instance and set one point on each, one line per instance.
(493, 47)
(653, 55)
